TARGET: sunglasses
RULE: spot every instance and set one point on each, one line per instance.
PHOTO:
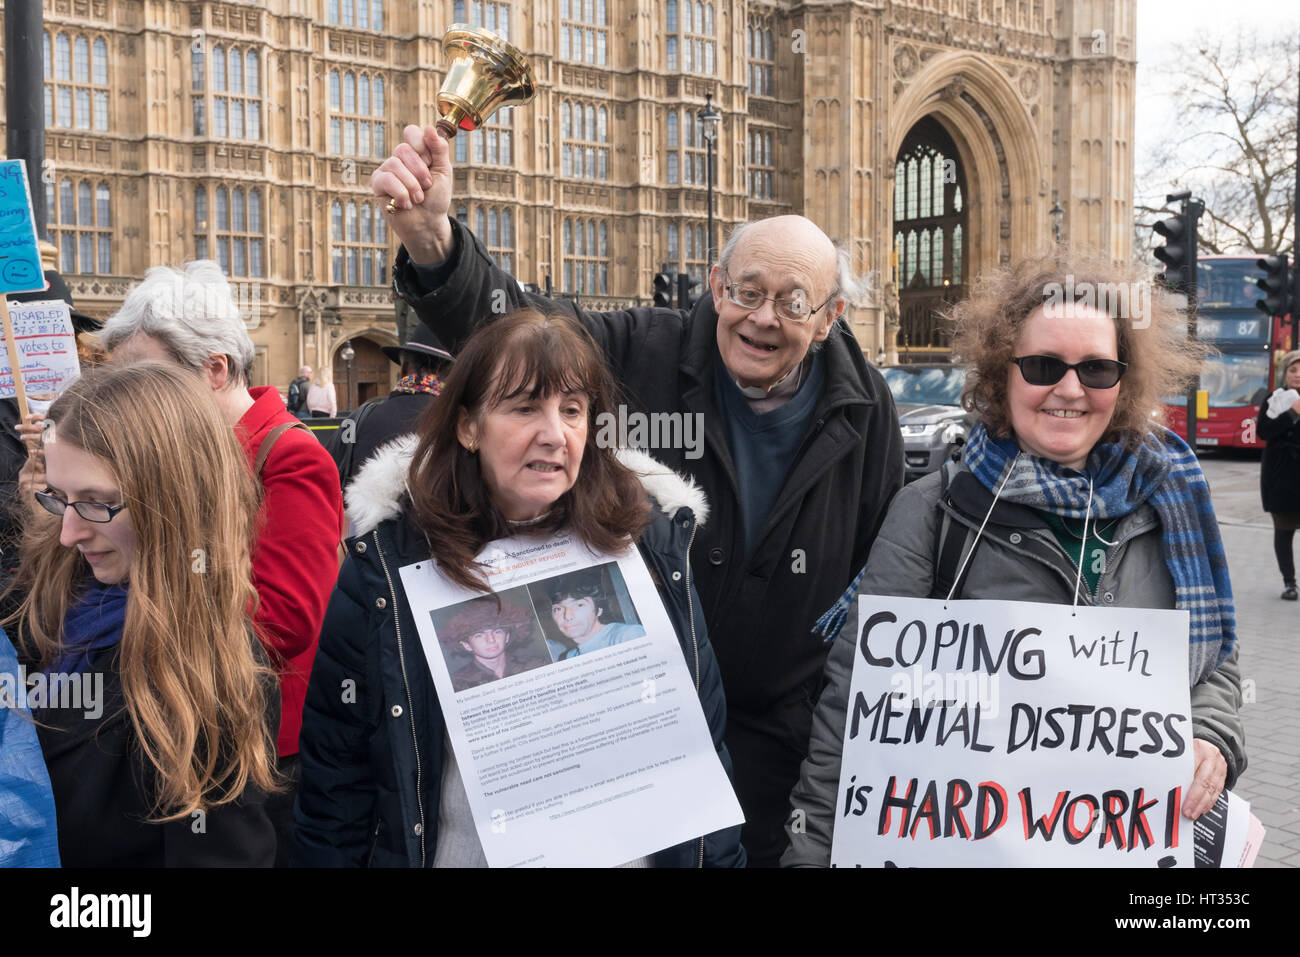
(1092, 373)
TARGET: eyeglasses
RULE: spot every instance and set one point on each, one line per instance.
(791, 309)
(90, 511)
(1092, 373)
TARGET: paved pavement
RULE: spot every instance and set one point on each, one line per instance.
(1269, 631)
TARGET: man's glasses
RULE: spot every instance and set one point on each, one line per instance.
(1092, 373)
(90, 511)
(790, 309)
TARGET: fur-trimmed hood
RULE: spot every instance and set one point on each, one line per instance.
(375, 495)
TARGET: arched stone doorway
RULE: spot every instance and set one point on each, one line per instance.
(370, 377)
(998, 146)
(931, 230)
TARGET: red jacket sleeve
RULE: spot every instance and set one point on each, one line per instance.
(295, 561)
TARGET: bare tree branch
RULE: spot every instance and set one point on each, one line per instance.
(1238, 95)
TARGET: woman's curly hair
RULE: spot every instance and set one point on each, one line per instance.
(1150, 326)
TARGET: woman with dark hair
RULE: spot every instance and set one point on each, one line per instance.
(507, 449)
(1279, 467)
(1070, 491)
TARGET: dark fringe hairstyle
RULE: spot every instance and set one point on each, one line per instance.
(525, 353)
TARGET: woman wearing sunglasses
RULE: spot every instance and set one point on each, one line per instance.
(1082, 497)
(135, 588)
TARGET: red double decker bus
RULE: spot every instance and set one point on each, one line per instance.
(1242, 370)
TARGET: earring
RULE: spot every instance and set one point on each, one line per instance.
(472, 448)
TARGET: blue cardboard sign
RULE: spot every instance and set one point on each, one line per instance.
(20, 259)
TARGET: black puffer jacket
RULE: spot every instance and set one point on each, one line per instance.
(372, 769)
(1279, 467)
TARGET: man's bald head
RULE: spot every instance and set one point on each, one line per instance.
(775, 263)
(796, 239)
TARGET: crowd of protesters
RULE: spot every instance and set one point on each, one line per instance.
(180, 537)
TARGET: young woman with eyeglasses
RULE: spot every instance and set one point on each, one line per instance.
(135, 588)
(1069, 491)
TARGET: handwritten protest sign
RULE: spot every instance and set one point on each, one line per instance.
(20, 259)
(1015, 733)
(46, 345)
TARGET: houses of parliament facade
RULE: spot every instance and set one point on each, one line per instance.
(932, 138)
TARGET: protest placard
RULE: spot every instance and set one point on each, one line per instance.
(20, 259)
(574, 719)
(992, 733)
(46, 345)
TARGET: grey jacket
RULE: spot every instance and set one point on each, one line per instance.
(1018, 559)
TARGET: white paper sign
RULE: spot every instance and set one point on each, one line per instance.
(999, 733)
(591, 748)
(1228, 835)
(47, 347)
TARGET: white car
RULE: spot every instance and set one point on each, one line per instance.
(933, 423)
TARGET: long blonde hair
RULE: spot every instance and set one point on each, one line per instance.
(193, 686)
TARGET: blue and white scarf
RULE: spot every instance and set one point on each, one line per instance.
(1163, 471)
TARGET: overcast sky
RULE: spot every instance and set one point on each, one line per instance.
(1164, 29)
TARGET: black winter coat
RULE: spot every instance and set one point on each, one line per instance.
(372, 768)
(384, 420)
(13, 456)
(104, 790)
(1279, 467)
(760, 607)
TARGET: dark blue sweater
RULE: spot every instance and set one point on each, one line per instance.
(763, 446)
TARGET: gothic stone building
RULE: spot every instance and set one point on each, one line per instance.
(933, 138)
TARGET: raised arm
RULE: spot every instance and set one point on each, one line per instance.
(417, 177)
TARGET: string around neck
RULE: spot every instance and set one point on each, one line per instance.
(1011, 467)
(1083, 546)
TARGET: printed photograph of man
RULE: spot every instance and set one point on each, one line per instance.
(583, 616)
(482, 644)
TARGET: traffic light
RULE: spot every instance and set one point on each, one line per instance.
(1274, 285)
(684, 286)
(1179, 251)
(664, 289)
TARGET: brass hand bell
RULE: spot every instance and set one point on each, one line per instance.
(485, 74)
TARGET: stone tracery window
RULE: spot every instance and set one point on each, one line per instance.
(929, 231)
(76, 81)
(586, 257)
(80, 225)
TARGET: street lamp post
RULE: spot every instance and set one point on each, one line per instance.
(347, 354)
(709, 119)
(25, 134)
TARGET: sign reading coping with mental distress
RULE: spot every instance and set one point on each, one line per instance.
(1015, 734)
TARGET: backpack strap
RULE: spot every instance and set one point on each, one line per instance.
(264, 452)
(349, 448)
(268, 443)
(949, 543)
